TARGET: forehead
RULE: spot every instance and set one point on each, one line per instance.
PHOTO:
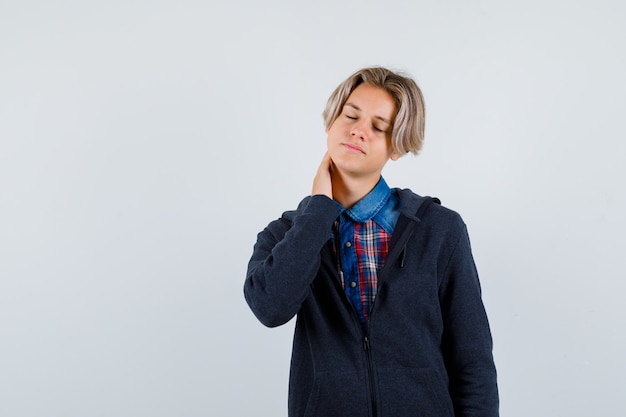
(372, 100)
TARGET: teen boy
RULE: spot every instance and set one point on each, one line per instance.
(390, 321)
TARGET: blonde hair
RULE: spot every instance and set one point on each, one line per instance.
(407, 134)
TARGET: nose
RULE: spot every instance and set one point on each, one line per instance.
(359, 131)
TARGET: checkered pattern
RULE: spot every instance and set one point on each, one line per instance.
(371, 244)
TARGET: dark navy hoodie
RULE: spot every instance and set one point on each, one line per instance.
(427, 348)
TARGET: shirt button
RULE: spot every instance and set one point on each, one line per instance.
(348, 244)
(352, 284)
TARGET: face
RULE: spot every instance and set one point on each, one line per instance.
(359, 141)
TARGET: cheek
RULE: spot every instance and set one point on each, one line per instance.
(332, 134)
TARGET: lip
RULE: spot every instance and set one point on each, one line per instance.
(352, 147)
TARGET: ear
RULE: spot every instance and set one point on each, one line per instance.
(394, 156)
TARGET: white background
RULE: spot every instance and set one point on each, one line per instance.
(145, 143)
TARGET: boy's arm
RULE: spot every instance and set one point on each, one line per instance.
(467, 343)
(286, 257)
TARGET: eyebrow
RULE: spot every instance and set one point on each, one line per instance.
(354, 106)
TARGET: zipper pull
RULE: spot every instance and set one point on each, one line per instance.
(366, 344)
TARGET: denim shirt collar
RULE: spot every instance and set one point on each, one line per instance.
(367, 207)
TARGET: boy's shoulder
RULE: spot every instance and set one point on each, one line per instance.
(410, 204)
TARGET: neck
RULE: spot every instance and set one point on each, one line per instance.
(348, 190)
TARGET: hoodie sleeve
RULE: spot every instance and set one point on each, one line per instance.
(467, 343)
(286, 259)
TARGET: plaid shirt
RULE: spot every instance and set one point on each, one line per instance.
(363, 233)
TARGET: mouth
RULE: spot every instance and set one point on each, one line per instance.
(351, 147)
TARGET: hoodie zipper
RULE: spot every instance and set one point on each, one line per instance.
(370, 372)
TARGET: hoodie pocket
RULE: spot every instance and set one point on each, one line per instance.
(338, 394)
(413, 392)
